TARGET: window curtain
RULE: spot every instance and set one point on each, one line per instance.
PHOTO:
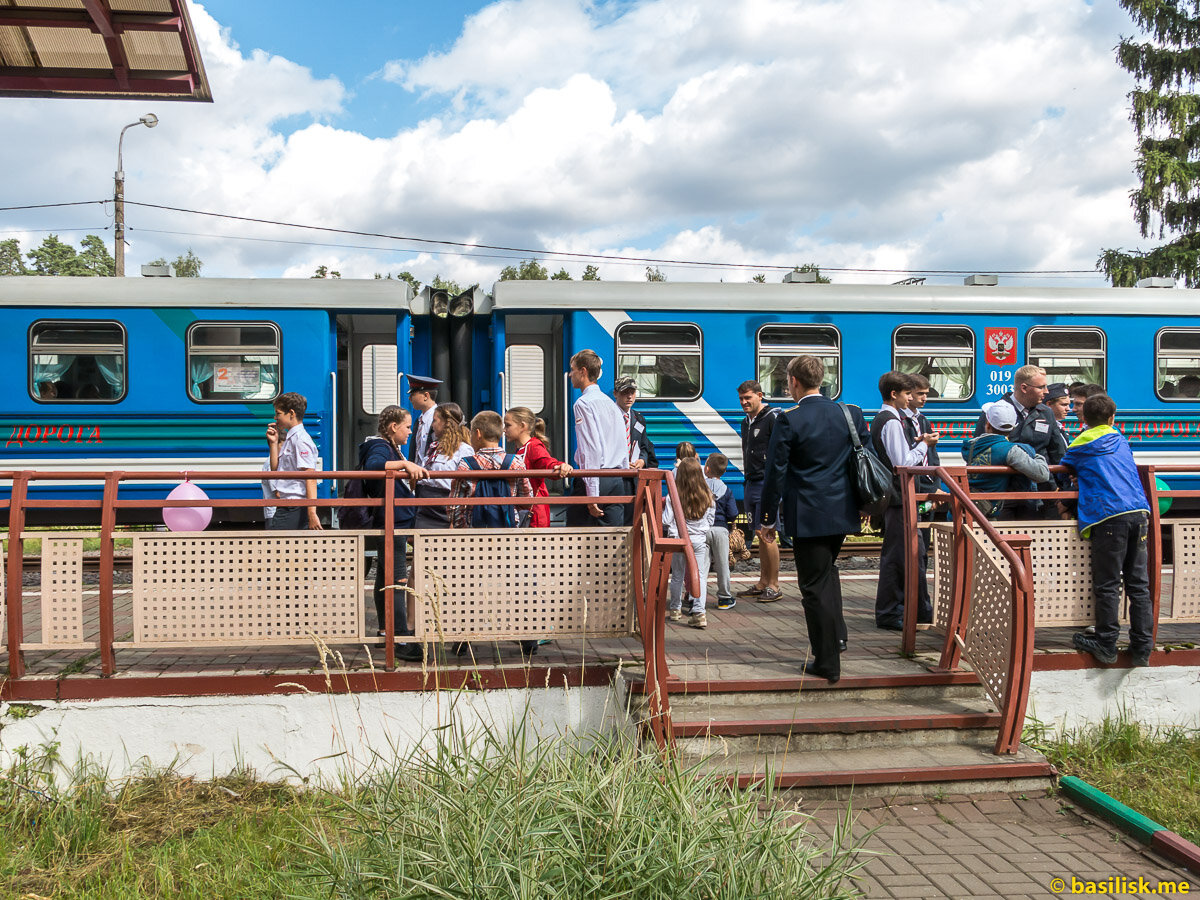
(45, 370)
(1091, 371)
(958, 369)
(200, 370)
(268, 376)
(112, 367)
(910, 365)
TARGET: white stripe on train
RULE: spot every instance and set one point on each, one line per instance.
(700, 413)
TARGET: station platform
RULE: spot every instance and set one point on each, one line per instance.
(760, 641)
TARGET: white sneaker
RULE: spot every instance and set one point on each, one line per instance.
(674, 615)
(698, 621)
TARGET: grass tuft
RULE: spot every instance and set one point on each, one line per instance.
(1155, 772)
(484, 815)
(475, 814)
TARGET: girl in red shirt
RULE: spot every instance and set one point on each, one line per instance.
(528, 433)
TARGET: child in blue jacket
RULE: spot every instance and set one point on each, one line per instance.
(1114, 514)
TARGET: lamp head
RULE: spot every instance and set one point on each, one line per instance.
(149, 120)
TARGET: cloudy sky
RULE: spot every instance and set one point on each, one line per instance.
(855, 134)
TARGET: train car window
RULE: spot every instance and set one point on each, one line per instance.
(1177, 364)
(379, 379)
(945, 354)
(232, 362)
(525, 377)
(1068, 355)
(77, 362)
(664, 360)
(778, 344)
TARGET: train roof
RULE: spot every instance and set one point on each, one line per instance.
(773, 298)
(226, 293)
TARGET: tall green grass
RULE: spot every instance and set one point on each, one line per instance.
(478, 815)
(1155, 771)
(486, 816)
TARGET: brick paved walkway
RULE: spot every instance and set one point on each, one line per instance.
(990, 845)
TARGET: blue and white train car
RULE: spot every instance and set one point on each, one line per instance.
(174, 374)
(690, 345)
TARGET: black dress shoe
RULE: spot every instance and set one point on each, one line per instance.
(810, 668)
(409, 652)
(890, 625)
(843, 646)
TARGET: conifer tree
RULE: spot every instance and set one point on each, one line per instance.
(1165, 112)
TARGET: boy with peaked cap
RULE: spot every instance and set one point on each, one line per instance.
(422, 396)
(1114, 515)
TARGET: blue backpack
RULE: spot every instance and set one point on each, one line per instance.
(488, 515)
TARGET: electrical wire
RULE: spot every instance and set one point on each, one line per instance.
(542, 253)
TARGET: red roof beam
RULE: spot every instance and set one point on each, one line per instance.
(17, 80)
(102, 16)
(68, 18)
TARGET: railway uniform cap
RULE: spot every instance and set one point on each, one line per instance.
(421, 383)
(1001, 416)
(1057, 390)
(623, 384)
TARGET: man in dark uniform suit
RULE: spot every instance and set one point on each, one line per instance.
(808, 466)
(1036, 426)
(641, 448)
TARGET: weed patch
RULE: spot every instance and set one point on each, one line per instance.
(1153, 771)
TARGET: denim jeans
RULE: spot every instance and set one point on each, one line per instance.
(1119, 556)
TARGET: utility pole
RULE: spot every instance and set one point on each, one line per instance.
(149, 120)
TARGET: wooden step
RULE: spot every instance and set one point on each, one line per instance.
(964, 768)
(637, 683)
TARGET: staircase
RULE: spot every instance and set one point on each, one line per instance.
(914, 732)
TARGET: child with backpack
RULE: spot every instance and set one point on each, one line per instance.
(487, 430)
(699, 510)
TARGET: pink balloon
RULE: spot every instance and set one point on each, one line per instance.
(187, 518)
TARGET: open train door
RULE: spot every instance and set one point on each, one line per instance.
(534, 373)
(367, 381)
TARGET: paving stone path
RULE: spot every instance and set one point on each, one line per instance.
(991, 845)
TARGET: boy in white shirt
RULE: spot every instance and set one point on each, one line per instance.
(293, 452)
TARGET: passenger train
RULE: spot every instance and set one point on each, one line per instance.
(176, 374)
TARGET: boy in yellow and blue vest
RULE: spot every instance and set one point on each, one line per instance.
(1114, 515)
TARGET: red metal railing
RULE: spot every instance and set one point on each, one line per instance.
(650, 584)
(1016, 551)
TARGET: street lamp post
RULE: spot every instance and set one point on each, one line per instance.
(149, 120)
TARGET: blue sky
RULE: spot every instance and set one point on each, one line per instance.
(854, 134)
(351, 40)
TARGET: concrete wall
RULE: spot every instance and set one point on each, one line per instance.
(1157, 696)
(313, 736)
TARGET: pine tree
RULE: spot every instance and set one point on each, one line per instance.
(1166, 118)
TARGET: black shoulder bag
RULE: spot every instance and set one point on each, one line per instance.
(872, 479)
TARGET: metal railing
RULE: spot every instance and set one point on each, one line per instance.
(1007, 679)
(650, 558)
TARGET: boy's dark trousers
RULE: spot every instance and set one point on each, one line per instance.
(889, 595)
(1119, 555)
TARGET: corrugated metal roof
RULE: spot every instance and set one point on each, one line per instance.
(134, 49)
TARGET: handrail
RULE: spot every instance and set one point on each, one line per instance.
(1015, 550)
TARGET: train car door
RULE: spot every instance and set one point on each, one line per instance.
(534, 372)
(367, 380)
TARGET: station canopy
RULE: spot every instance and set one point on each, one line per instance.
(101, 49)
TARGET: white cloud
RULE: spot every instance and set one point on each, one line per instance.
(861, 133)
